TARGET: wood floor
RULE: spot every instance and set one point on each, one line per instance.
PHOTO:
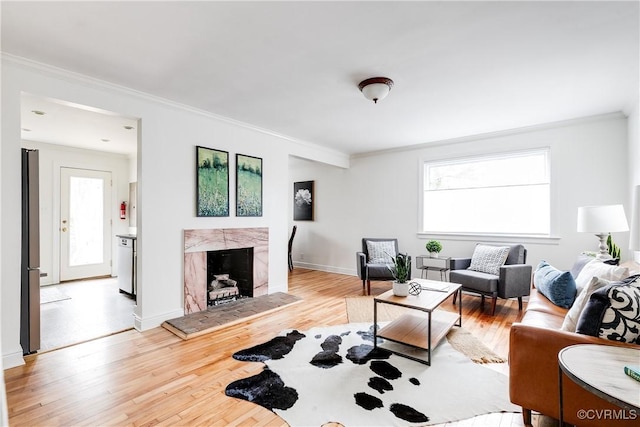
(155, 378)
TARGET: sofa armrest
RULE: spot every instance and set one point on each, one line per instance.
(460, 263)
(514, 281)
(361, 262)
(533, 373)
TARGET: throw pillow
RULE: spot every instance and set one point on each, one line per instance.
(381, 252)
(571, 319)
(488, 259)
(613, 312)
(558, 286)
(597, 268)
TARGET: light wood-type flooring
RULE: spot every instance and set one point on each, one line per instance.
(155, 378)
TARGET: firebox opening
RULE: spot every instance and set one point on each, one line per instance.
(229, 275)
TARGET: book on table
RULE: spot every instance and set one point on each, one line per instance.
(633, 372)
(434, 286)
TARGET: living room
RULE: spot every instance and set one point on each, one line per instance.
(367, 193)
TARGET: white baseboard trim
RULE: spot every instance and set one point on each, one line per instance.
(144, 324)
(12, 360)
(327, 268)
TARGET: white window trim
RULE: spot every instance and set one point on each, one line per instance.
(551, 239)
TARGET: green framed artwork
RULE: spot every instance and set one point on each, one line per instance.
(212, 182)
(248, 185)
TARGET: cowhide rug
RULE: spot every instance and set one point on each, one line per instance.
(333, 374)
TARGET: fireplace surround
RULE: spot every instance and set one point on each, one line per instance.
(198, 242)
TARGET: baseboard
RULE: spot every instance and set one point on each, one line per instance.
(12, 360)
(144, 324)
(326, 268)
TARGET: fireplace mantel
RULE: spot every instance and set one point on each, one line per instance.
(196, 245)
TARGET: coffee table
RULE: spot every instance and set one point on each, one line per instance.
(417, 333)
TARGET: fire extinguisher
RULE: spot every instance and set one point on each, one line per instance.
(123, 210)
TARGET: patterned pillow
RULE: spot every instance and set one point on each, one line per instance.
(489, 259)
(381, 252)
(613, 312)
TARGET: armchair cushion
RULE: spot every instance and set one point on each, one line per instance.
(489, 259)
(381, 252)
(558, 286)
(476, 280)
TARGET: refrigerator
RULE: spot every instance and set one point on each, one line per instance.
(30, 255)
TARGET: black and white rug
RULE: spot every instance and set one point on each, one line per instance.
(332, 374)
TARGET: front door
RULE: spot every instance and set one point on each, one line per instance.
(85, 223)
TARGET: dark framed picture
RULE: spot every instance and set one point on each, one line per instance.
(212, 182)
(303, 201)
(248, 185)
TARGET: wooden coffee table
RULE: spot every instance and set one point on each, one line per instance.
(417, 333)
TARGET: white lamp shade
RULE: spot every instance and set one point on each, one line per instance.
(602, 219)
(376, 91)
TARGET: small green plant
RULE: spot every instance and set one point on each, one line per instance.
(614, 250)
(433, 246)
(401, 268)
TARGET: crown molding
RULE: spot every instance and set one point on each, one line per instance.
(75, 77)
(507, 132)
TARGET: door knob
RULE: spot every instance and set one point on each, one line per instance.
(64, 229)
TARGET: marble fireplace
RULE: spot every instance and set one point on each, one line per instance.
(199, 243)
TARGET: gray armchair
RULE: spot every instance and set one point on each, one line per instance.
(372, 268)
(513, 280)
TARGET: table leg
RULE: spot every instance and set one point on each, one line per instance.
(561, 403)
(375, 324)
(429, 341)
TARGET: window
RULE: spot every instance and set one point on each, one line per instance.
(499, 194)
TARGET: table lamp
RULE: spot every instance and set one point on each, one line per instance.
(602, 220)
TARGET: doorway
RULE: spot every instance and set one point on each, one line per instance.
(88, 158)
(85, 224)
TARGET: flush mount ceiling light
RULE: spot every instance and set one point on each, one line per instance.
(375, 88)
(38, 112)
(127, 127)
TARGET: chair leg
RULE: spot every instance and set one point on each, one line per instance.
(481, 302)
(290, 263)
(520, 303)
(526, 417)
(493, 305)
(368, 287)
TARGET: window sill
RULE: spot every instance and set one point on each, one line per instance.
(487, 237)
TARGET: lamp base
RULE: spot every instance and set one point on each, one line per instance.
(603, 253)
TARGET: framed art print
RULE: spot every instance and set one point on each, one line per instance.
(212, 182)
(303, 201)
(248, 185)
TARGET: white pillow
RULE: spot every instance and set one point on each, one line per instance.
(597, 268)
(571, 319)
(489, 259)
(381, 252)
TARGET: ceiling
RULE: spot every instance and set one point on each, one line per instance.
(460, 68)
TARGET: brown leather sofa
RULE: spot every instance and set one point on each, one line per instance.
(533, 367)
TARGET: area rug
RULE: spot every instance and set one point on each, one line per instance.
(360, 309)
(221, 316)
(50, 294)
(333, 374)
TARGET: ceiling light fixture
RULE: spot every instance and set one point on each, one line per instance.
(127, 127)
(105, 140)
(375, 88)
(38, 112)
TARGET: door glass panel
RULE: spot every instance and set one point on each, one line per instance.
(86, 221)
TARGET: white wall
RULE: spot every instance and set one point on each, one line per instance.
(52, 158)
(378, 195)
(166, 187)
(634, 176)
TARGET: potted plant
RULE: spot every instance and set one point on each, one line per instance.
(433, 247)
(401, 271)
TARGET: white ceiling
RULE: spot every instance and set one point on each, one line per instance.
(460, 68)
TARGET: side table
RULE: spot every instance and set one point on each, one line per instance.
(427, 263)
(599, 369)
